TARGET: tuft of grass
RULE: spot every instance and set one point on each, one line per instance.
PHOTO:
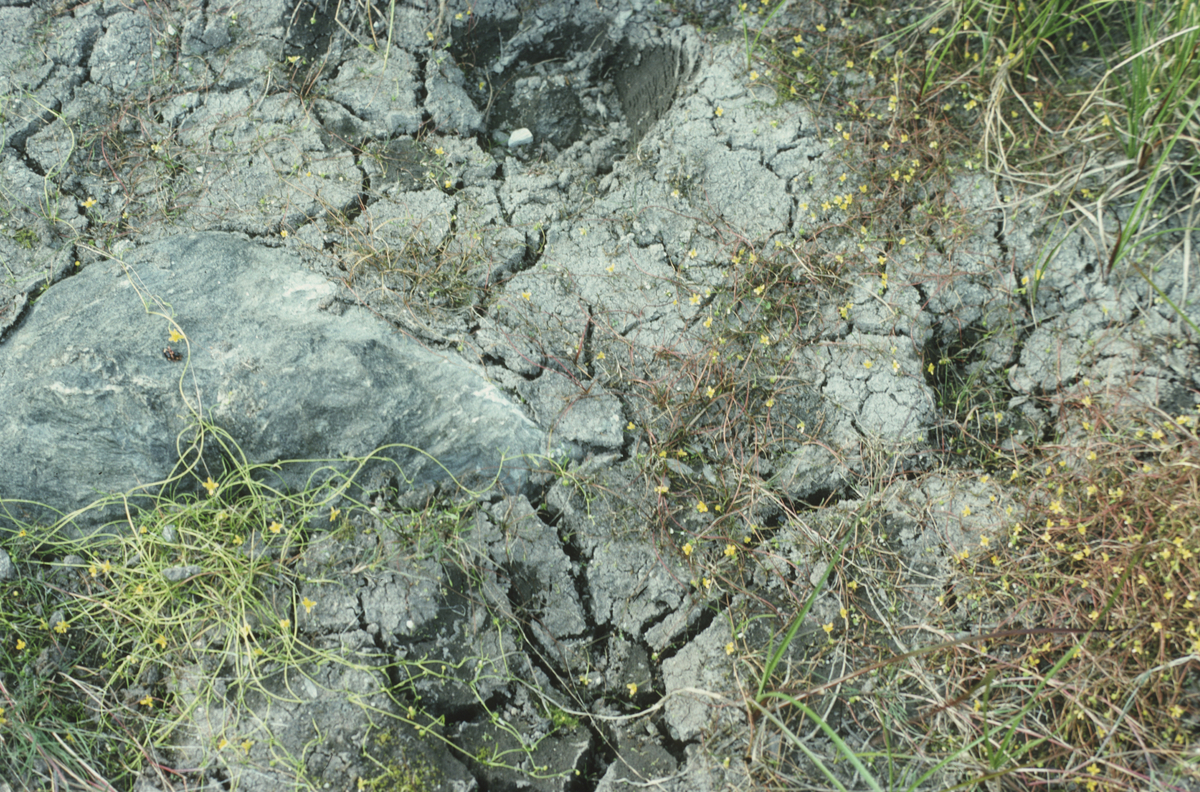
(1105, 562)
(204, 577)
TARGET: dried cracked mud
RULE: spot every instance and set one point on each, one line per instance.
(330, 203)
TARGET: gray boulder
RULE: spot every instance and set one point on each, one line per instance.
(271, 355)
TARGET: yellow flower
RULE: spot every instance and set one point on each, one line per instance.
(333, 513)
(701, 507)
(62, 627)
(729, 648)
(661, 489)
(274, 527)
(20, 644)
(175, 336)
(147, 701)
(222, 744)
(308, 604)
(731, 550)
(720, 111)
(246, 745)
(161, 640)
(820, 28)
(439, 151)
(687, 549)
(828, 628)
(632, 689)
(283, 233)
(285, 624)
(600, 356)
(710, 391)
(695, 299)
(211, 486)
(868, 364)
(966, 511)
(89, 203)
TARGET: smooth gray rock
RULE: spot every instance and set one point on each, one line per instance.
(92, 405)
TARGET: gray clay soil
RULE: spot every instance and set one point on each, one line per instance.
(325, 200)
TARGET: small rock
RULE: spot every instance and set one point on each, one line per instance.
(520, 137)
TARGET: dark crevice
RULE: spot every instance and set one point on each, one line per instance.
(708, 614)
(583, 591)
(550, 517)
(1000, 241)
(597, 761)
(675, 747)
(222, 778)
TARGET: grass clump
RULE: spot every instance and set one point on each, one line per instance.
(195, 603)
(94, 640)
(1105, 563)
(408, 777)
